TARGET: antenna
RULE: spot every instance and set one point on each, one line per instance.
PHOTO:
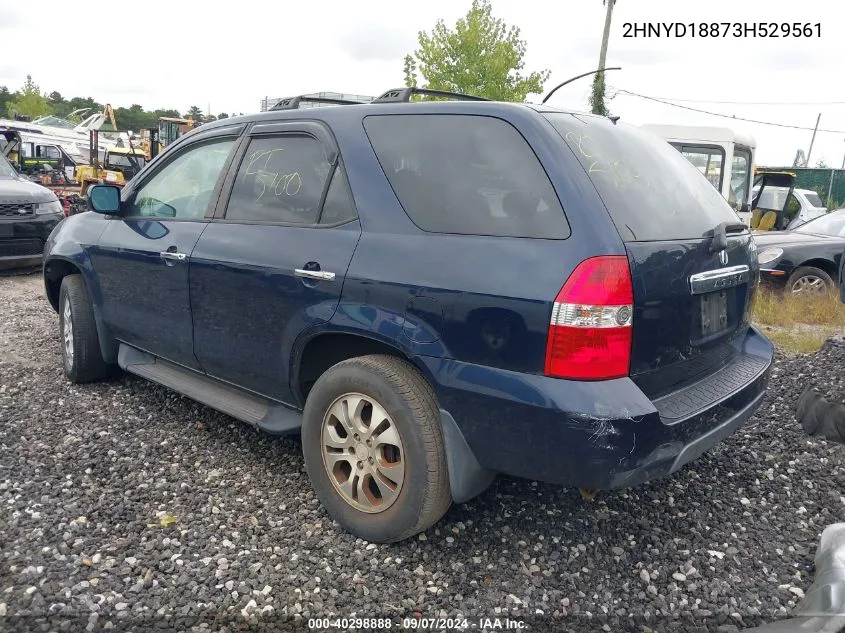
(592, 72)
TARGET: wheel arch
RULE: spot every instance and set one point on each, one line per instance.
(55, 270)
(322, 350)
(826, 265)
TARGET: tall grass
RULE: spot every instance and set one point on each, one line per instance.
(799, 324)
(786, 309)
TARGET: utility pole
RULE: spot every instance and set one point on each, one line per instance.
(813, 140)
(598, 106)
(606, 35)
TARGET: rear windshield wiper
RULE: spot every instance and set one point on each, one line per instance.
(719, 234)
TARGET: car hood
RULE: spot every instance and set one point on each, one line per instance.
(792, 238)
(19, 190)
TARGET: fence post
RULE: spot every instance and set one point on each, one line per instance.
(830, 188)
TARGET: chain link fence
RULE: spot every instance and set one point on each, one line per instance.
(828, 183)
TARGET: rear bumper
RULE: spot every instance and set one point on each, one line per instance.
(599, 435)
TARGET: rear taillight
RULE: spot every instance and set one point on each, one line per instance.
(590, 330)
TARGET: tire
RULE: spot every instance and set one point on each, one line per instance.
(806, 275)
(82, 359)
(423, 495)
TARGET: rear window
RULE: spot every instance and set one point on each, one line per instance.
(652, 192)
(814, 199)
(466, 174)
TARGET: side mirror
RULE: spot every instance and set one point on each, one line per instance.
(104, 199)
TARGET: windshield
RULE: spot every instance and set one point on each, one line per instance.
(813, 199)
(830, 224)
(54, 121)
(6, 169)
(123, 160)
(651, 191)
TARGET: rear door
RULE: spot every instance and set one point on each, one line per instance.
(693, 288)
(273, 261)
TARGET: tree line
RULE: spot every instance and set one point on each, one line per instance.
(31, 103)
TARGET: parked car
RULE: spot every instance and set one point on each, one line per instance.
(433, 292)
(28, 213)
(800, 205)
(805, 259)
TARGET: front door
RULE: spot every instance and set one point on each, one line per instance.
(142, 256)
(274, 262)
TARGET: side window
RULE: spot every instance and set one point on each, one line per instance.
(740, 171)
(708, 160)
(49, 151)
(338, 206)
(470, 175)
(280, 179)
(182, 188)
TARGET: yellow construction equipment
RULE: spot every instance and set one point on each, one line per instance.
(169, 129)
(119, 165)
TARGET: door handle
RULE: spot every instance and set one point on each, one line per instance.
(179, 257)
(320, 275)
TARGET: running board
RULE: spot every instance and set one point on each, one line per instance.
(268, 415)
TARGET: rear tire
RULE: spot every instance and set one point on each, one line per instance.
(356, 474)
(810, 280)
(82, 359)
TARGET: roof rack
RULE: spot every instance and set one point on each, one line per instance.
(403, 95)
(292, 103)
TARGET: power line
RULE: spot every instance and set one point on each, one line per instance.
(764, 103)
(726, 116)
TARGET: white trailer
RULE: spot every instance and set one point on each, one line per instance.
(723, 155)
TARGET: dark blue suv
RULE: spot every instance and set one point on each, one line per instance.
(433, 292)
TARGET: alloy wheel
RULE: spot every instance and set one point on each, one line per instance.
(67, 329)
(363, 453)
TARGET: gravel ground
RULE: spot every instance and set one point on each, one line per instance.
(124, 505)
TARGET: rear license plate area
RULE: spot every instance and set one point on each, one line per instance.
(714, 313)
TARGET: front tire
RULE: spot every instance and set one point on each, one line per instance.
(374, 449)
(809, 280)
(82, 359)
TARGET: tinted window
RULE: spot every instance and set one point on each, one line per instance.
(651, 191)
(338, 205)
(466, 174)
(183, 187)
(281, 179)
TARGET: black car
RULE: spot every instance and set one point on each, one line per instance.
(805, 259)
(28, 213)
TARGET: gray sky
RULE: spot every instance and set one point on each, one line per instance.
(259, 48)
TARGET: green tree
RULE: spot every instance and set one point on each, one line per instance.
(29, 101)
(222, 115)
(5, 99)
(481, 55)
(196, 114)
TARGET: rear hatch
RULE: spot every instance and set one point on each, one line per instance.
(693, 264)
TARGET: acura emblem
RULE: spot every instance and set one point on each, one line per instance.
(723, 257)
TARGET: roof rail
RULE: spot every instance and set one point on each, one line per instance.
(292, 103)
(403, 95)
